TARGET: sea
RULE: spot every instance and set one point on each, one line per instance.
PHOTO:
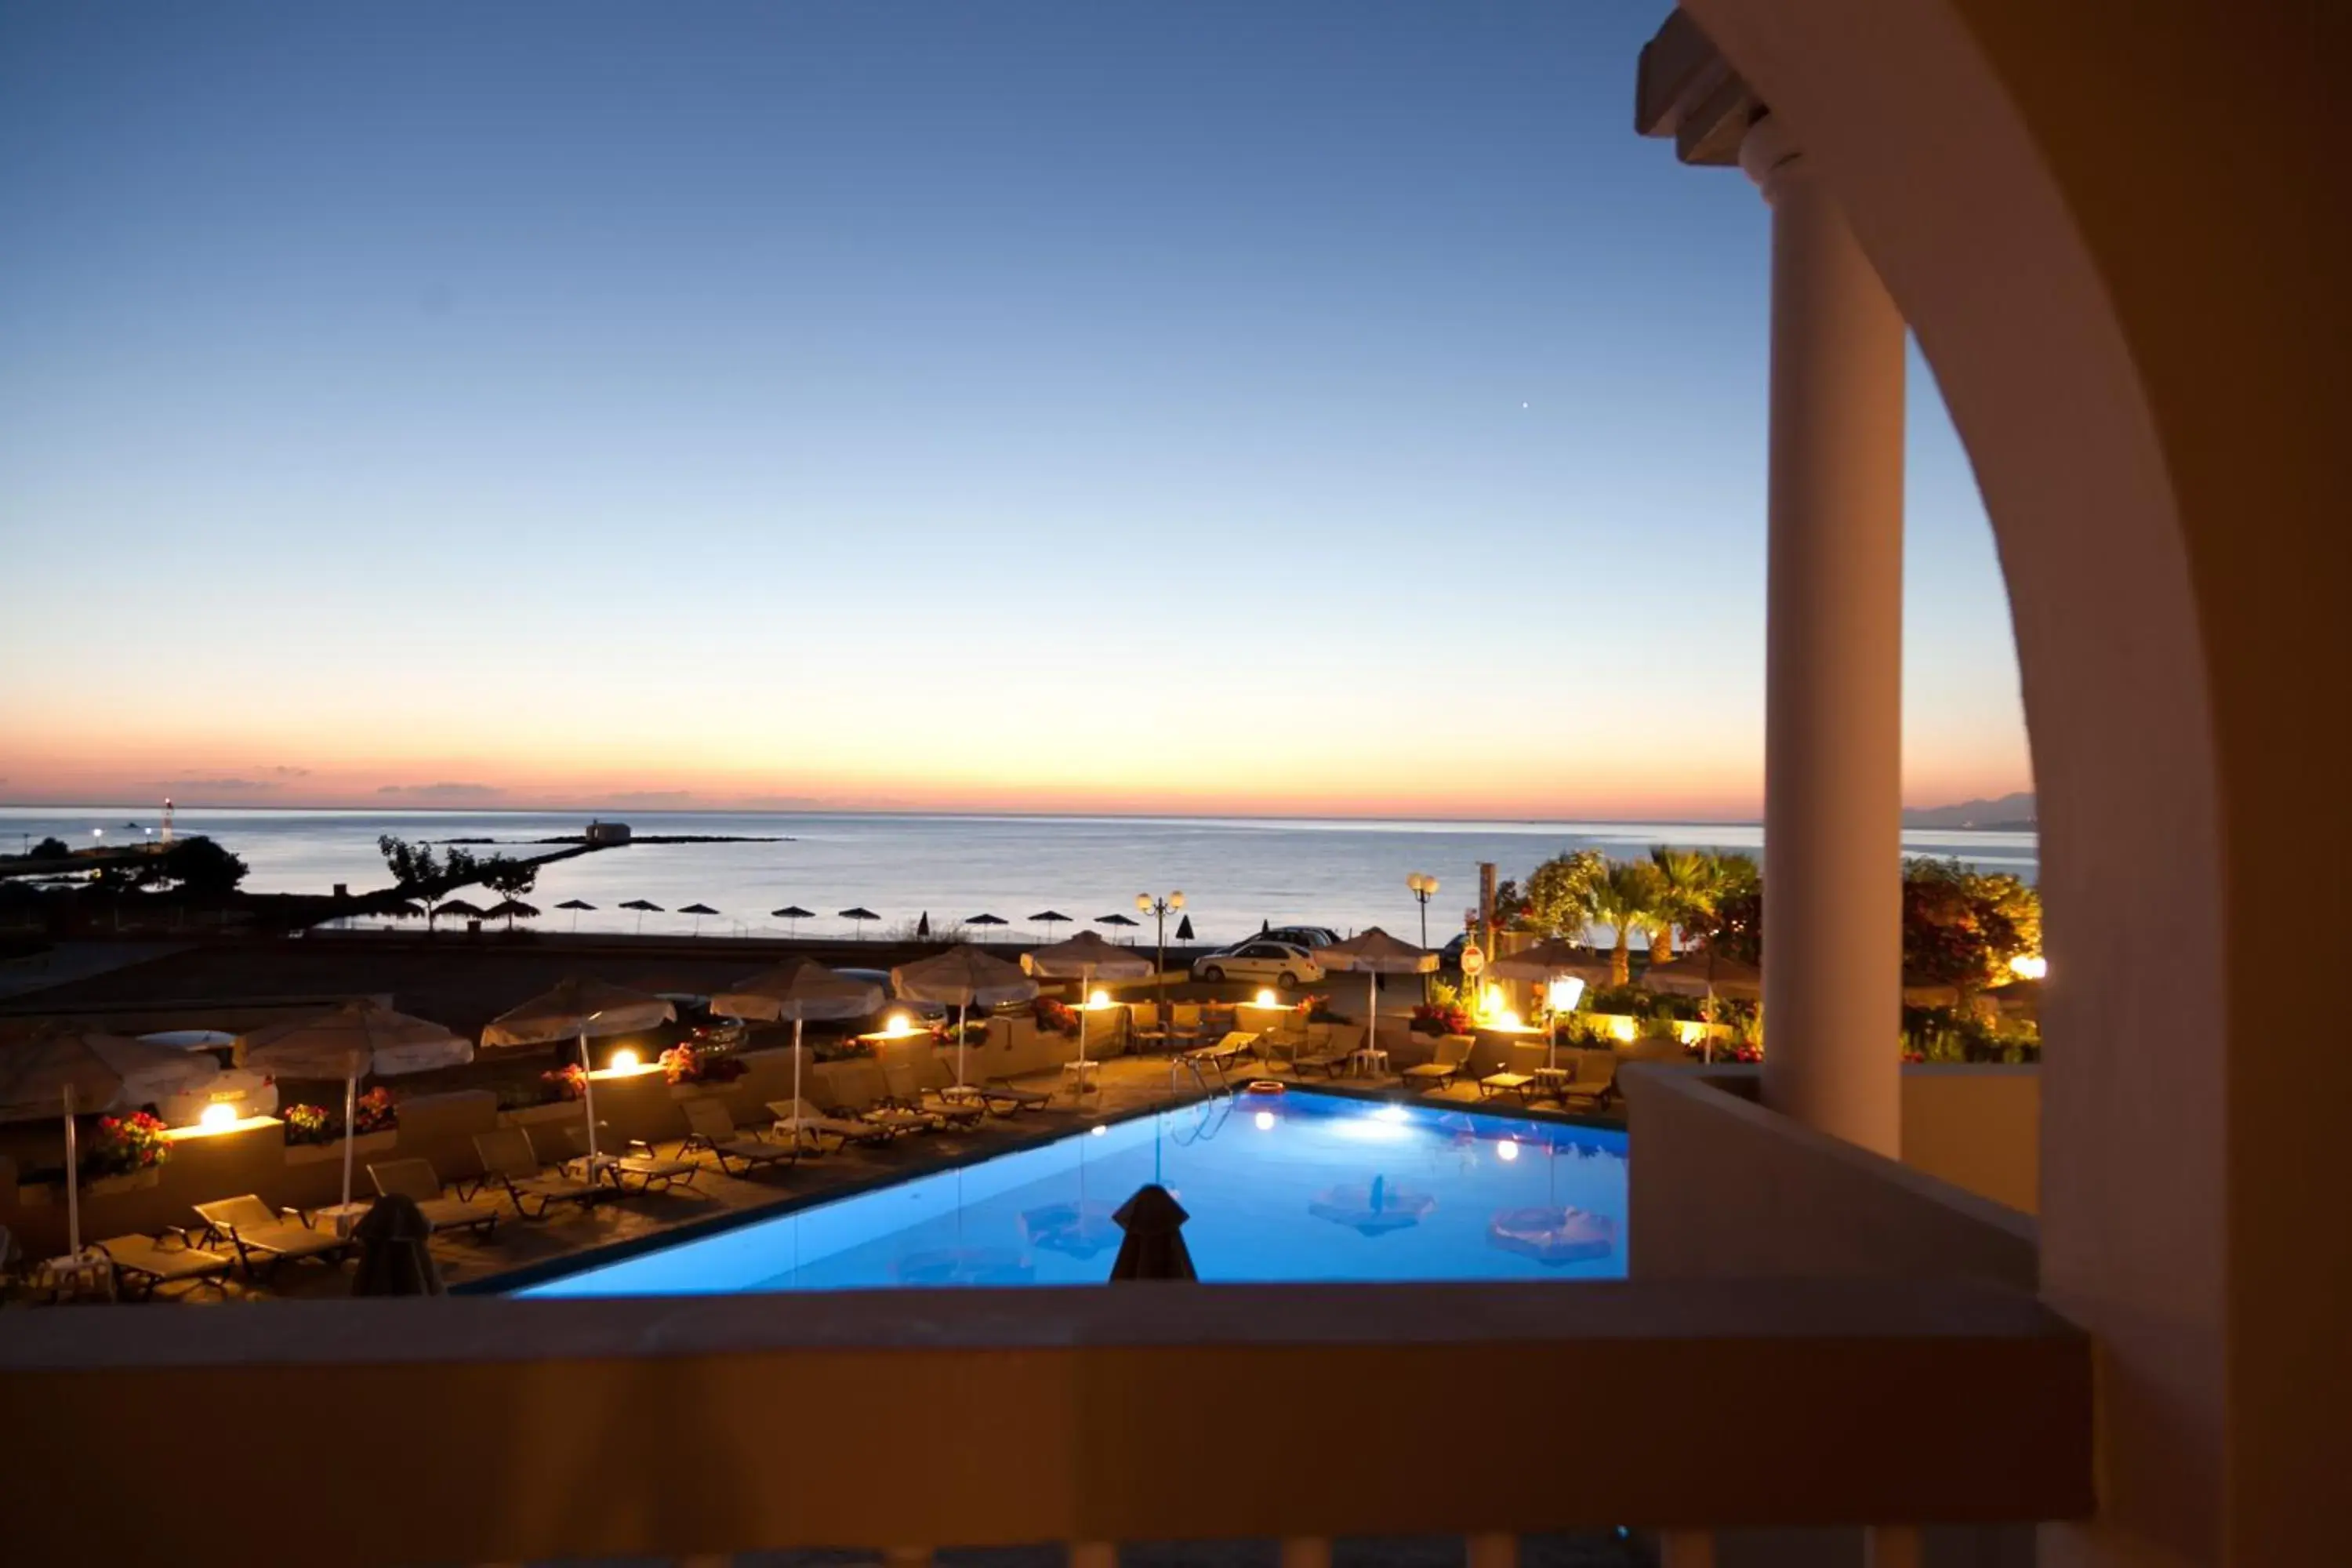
(1236, 873)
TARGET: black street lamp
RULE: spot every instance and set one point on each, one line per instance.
(1159, 907)
(1425, 888)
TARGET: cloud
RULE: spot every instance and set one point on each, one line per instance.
(781, 803)
(213, 786)
(443, 791)
(287, 772)
(651, 797)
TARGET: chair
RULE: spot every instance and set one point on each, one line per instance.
(1187, 1026)
(257, 1230)
(709, 1126)
(1237, 1044)
(1595, 1082)
(911, 1092)
(1520, 1074)
(798, 1119)
(147, 1263)
(653, 1172)
(417, 1179)
(1449, 1061)
(1144, 1025)
(510, 1161)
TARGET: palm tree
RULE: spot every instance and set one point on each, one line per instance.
(1625, 897)
(1687, 880)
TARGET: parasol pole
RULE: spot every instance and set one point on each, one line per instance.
(963, 1018)
(588, 1096)
(73, 1181)
(350, 1133)
(1085, 998)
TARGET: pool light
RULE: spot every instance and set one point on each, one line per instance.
(1264, 1121)
(1509, 1149)
(1099, 1131)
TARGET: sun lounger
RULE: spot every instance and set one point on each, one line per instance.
(1595, 1083)
(257, 1230)
(1451, 1058)
(864, 1095)
(1331, 1057)
(798, 1118)
(417, 1179)
(911, 1091)
(146, 1263)
(510, 1161)
(997, 1095)
(709, 1126)
(652, 1173)
(1237, 1044)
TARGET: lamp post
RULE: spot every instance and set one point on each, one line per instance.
(1425, 888)
(1159, 907)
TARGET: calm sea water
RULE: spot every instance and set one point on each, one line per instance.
(1279, 1187)
(1234, 872)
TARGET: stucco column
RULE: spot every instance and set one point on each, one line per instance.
(1833, 668)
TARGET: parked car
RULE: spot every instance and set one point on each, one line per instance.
(1309, 937)
(1283, 965)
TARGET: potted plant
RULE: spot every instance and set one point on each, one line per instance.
(127, 1152)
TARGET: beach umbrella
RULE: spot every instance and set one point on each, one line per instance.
(1375, 1208)
(984, 919)
(1049, 918)
(1114, 920)
(510, 909)
(1707, 975)
(858, 915)
(1154, 1248)
(698, 911)
(923, 926)
(71, 1070)
(1184, 929)
(458, 907)
(644, 907)
(793, 913)
(578, 1009)
(799, 989)
(962, 975)
(575, 906)
(350, 1043)
(393, 1258)
(1375, 952)
(1086, 955)
(1547, 962)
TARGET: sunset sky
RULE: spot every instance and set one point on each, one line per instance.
(1250, 407)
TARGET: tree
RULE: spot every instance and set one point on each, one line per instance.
(203, 869)
(50, 849)
(1733, 924)
(413, 866)
(1559, 893)
(1961, 928)
(507, 877)
(1625, 897)
(1686, 891)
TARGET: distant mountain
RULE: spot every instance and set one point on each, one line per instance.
(2010, 813)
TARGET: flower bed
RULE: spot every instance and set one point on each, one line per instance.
(125, 1145)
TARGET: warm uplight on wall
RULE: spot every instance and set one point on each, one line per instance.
(1266, 998)
(220, 1114)
(2029, 966)
(625, 1060)
(899, 1024)
(1099, 999)
(1490, 1000)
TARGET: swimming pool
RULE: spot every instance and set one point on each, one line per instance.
(1297, 1186)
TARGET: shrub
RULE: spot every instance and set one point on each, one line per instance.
(685, 1064)
(1432, 1019)
(568, 1081)
(309, 1124)
(377, 1111)
(1054, 1016)
(126, 1143)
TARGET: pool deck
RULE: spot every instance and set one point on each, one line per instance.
(522, 1250)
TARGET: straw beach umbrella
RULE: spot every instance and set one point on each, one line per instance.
(1547, 964)
(510, 909)
(1375, 952)
(793, 913)
(698, 911)
(1115, 919)
(858, 915)
(1049, 918)
(578, 1009)
(350, 1043)
(458, 907)
(962, 975)
(643, 906)
(985, 920)
(59, 1069)
(575, 906)
(799, 989)
(1086, 955)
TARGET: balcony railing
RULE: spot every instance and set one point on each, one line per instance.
(468, 1430)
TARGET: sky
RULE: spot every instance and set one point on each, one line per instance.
(1244, 405)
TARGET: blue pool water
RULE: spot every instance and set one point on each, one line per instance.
(1295, 1186)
